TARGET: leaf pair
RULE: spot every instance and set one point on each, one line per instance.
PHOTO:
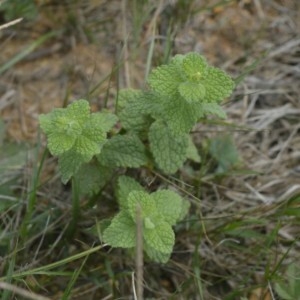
(159, 211)
(75, 135)
(192, 78)
(181, 93)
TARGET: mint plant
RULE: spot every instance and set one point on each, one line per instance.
(75, 135)
(159, 212)
(153, 133)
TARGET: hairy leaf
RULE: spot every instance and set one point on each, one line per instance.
(69, 163)
(169, 205)
(92, 177)
(180, 115)
(123, 151)
(126, 96)
(192, 91)
(156, 255)
(211, 109)
(185, 206)
(125, 186)
(160, 238)
(144, 201)
(192, 151)
(75, 135)
(218, 85)
(194, 66)
(169, 150)
(165, 79)
(135, 114)
(121, 232)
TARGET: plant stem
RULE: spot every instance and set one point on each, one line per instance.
(139, 261)
(75, 209)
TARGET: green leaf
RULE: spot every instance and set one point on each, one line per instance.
(60, 130)
(59, 143)
(87, 147)
(123, 151)
(169, 205)
(148, 223)
(121, 232)
(158, 211)
(177, 60)
(169, 150)
(135, 114)
(160, 238)
(166, 79)
(92, 177)
(218, 85)
(192, 91)
(125, 186)
(69, 163)
(99, 122)
(212, 109)
(126, 96)
(180, 115)
(185, 206)
(192, 151)
(65, 123)
(146, 203)
(194, 66)
(156, 255)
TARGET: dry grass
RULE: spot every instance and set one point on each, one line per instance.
(244, 227)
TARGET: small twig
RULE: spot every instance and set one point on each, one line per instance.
(11, 23)
(270, 290)
(133, 286)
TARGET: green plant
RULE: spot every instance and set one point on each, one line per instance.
(159, 212)
(153, 133)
